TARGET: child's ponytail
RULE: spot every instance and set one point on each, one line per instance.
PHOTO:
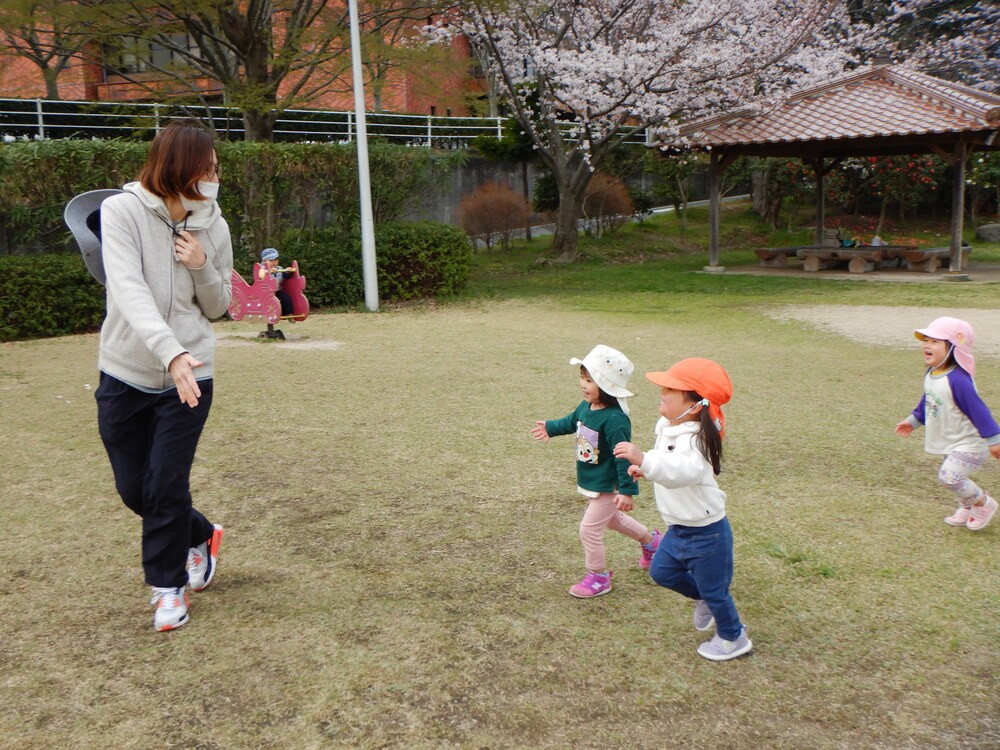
(709, 439)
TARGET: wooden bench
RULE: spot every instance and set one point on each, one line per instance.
(777, 257)
(928, 259)
(859, 259)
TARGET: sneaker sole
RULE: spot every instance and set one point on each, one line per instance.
(590, 596)
(727, 657)
(213, 555)
(956, 524)
(168, 628)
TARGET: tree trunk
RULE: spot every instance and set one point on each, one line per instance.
(259, 125)
(527, 197)
(51, 83)
(565, 238)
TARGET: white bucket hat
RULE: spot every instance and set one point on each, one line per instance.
(83, 217)
(611, 370)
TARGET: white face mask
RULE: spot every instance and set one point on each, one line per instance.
(209, 189)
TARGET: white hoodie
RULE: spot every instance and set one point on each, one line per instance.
(683, 481)
(158, 307)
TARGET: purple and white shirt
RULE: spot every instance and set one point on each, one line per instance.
(953, 414)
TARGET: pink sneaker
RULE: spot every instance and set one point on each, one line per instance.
(959, 517)
(592, 584)
(648, 550)
(981, 514)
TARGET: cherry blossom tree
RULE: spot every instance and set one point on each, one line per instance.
(581, 76)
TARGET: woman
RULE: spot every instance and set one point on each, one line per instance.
(168, 259)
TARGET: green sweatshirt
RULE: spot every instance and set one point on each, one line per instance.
(597, 433)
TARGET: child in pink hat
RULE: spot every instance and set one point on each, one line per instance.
(957, 424)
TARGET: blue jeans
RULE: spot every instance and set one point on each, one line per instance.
(697, 561)
(151, 439)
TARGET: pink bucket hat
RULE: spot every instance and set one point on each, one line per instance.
(956, 332)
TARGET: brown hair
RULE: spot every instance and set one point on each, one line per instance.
(603, 398)
(180, 155)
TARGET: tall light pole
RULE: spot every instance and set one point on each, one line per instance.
(364, 182)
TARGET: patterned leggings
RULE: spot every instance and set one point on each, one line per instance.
(954, 474)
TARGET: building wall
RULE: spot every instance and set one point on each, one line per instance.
(443, 93)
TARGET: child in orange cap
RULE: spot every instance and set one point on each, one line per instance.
(957, 424)
(599, 422)
(695, 556)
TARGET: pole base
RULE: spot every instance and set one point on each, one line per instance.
(271, 333)
(714, 269)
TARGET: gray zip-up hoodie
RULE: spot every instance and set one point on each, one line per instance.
(157, 307)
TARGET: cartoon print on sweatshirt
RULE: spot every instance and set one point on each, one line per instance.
(586, 444)
(932, 405)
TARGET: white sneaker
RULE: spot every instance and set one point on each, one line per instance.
(202, 561)
(719, 649)
(171, 608)
(703, 617)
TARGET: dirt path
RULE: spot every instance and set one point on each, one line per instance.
(893, 326)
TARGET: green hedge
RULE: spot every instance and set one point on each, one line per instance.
(47, 295)
(414, 260)
(267, 188)
(54, 295)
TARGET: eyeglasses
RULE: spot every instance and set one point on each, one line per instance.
(216, 169)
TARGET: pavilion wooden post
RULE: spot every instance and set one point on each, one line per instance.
(817, 165)
(958, 159)
(714, 210)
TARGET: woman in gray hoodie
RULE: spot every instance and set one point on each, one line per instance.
(168, 259)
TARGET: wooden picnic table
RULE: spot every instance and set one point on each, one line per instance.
(860, 259)
(777, 257)
(927, 259)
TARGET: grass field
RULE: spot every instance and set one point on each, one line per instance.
(399, 548)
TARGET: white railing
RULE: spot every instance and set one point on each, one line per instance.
(42, 118)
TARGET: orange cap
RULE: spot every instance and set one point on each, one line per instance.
(702, 376)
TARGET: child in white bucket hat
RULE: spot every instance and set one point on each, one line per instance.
(599, 423)
(957, 424)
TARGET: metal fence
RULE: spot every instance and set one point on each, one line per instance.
(45, 118)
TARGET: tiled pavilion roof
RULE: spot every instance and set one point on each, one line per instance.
(878, 110)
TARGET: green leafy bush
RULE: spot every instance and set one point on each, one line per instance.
(331, 266)
(421, 259)
(414, 260)
(267, 188)
(47, 295)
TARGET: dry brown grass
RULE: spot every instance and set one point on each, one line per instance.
(398, 550)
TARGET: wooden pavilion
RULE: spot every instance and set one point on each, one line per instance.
(874, 111)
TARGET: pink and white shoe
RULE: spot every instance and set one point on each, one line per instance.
(648, 550)
(591, 585)
(959, 517)
(981, 514)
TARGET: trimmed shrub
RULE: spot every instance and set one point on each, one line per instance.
(267, 188)
(414, 260)
(421, 259)
(492, 213)
(330, 263)
(47, 295)
(606, 204)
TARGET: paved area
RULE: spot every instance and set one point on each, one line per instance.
(978, 273)
(893, 326)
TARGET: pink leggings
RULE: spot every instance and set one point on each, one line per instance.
(602, 513)
(954, 474)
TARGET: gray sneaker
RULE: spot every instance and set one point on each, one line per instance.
(703, 617)
(719, 649)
